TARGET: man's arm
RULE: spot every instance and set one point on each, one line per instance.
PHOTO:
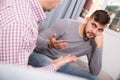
(95, 61)
(58, 63)
(49, 37)
(95, 57)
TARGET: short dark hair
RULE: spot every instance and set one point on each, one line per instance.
(101, 16)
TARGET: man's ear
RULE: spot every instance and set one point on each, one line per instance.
(87, 19)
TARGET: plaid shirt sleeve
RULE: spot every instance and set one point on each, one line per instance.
(49, 67)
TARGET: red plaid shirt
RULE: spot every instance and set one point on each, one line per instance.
(18, 30)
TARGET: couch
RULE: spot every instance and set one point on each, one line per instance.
(102, 76)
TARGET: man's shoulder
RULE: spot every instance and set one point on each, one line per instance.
(68, 21)
(6, 3)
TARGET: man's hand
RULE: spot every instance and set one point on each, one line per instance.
(57, 44)
(63, 60)
(99, 41)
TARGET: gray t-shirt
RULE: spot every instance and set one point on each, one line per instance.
(68, 30)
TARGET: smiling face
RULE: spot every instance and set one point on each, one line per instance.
(93, 28)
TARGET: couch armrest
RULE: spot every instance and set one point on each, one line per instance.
(102, 76)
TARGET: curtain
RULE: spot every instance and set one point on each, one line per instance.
(67, 9)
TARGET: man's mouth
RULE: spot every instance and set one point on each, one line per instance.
(91, 34)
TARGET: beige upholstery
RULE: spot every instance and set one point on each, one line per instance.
(102, 76)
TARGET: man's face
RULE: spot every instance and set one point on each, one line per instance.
(93, 28)
(51, 4)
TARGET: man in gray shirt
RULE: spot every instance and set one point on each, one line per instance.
(69, 37)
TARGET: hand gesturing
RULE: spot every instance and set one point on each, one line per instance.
(57, 44)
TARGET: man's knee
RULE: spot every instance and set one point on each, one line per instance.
(38, 60)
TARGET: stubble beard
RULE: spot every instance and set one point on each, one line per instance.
(85, 38)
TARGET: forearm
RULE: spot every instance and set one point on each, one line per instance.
(57, 28)
(41, 43)
(50, 68)
(58, 63)
(95, 63)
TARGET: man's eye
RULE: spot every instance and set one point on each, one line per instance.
(100, 30)
(93, 25)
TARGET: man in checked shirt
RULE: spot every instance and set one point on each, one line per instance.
(19, 30)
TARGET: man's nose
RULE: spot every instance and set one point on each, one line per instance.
(94, 30)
